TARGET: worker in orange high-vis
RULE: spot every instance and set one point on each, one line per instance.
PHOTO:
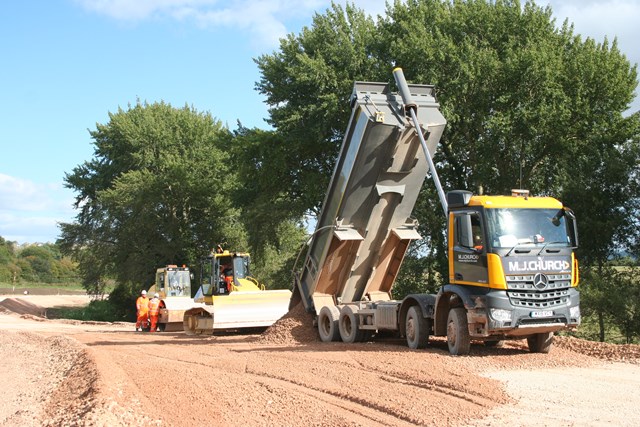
(226, 276)
(142, 311)
(154, 311)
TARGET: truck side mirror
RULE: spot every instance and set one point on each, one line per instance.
(572, 226)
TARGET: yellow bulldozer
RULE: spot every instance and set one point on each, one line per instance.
(229, 298)
(173, 284)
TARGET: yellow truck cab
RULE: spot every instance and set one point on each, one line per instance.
(512, 265)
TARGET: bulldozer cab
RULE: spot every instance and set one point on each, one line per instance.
(224, 272)
(173, 281)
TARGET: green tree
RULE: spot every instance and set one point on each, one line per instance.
(627, 314)
(263, 194)
(157, 191)
(270, 212)
(39, 263)
(528, 105)
(7, 250)
(41, 259)
(610, 298)
(8, 269)
(274, 265)
(307, 85)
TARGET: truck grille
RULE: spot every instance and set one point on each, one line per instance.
(539, 290)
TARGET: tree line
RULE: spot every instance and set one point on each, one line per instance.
(35, 264)
(529, 104)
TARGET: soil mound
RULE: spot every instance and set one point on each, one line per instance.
(629, 353)
(295, 327)
(20, 306)
(64, 373)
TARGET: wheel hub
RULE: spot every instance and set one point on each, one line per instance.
(411, 330)
(451, 333)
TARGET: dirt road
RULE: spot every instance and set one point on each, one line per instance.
(57, 372)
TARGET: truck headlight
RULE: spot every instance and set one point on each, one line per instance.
(500, 315)
(574, 312)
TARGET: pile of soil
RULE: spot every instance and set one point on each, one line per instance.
(67, 369)
(295, 327)
(21, 306)
(629, 353)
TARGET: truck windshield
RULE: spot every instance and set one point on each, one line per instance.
(513, 227)
(178, 283)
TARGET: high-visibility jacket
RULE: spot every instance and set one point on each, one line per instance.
(154, 307)
(142, 304)
(229, 281)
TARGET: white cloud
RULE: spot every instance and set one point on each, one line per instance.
(138, 10)
(30, 212)
(598, 19)
(265, 20)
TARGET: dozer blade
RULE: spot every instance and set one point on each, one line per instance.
(238, 310)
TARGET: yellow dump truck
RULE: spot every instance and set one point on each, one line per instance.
(512, 268)
(229, 298)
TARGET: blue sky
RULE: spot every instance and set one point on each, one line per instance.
(67, 63)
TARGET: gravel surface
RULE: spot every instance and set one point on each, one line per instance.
(102, 374)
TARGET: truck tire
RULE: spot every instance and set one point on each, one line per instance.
(416, 328)
(349, 325)
(458, 338)
(540, 343)
(328, 323)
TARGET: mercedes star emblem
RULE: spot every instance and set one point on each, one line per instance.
(540, 281)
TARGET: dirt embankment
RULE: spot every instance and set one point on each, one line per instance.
(72, 373)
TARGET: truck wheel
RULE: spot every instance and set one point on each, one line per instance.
(540, 343)
(458, 338)
(349, 325)
(417, 328)
(328, 323)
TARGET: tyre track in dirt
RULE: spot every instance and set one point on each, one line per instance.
(329, 379)
(436, 385)
(244, 363)
(170, 379)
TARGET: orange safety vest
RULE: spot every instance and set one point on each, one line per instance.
(142, 304)
(229, 281)
(154, 307)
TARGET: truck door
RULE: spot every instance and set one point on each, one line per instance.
(469, 261)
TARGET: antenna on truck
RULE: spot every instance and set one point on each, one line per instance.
(412, 107)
